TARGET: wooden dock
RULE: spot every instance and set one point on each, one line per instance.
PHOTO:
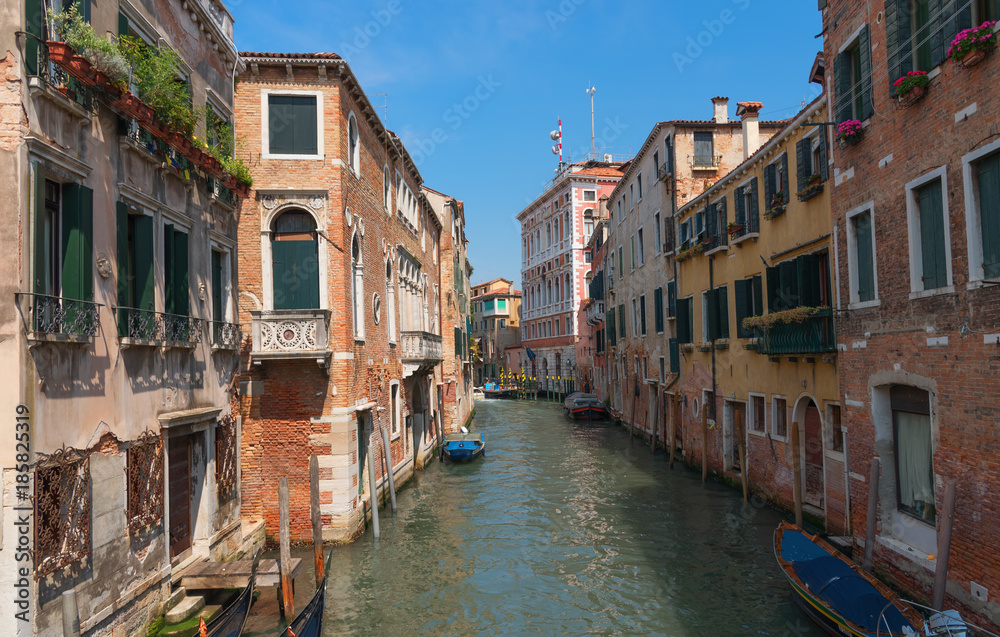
(235, 574)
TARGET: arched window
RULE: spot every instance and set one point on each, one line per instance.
(357, 288)
(588, 224)
(558, 296)
(390, 296)
(586, 287)
(295, 261)
(353, 144)
(549, 295)
(548, 235)
(386, 188)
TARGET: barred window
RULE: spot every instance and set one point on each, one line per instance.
(62, 511)
(144, 468)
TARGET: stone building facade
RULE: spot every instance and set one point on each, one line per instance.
(496, 326)
(117, 331)
(341, 288)
(916, 222)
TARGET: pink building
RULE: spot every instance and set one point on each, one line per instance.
(555, 270)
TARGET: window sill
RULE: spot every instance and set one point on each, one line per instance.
(127, 341)
(757, 432)
(294, 157)
(224, 347)
(716, 250)
(37, 338)
(38, 86)
(982, 283)
(705, 348)
(779, 438)
(864, 305)
(738, 240)
(923, 294)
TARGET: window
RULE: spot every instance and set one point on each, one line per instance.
(358, 289)
(686, 232)
(810, 164)
(292, 125)
(656, 164)
(642, 250)
(699, 223)
(638, 181)
(756, 418)
(704, 150)
(708, 404)
(62, 507)
(663, 369)
(930, 266)
(776, 181)
(135, 271)
(635, 318)
(390, 297)
(836, 430)
(716, 317)
(861, 255)
(671, 298)
(631, 195)
(852, 73)
(911, 428)
(590, 195)
(218, 131)
(749, 298)
(656, 233)
(295, 261)
(386, 189)
(394, 406)
(222, 334)
(621, 264)
(588, 224)
(982, 172)
(175, 271)
(353, 144)
(569, 325)
(64, 243)
(748, 206)
(803, 281)
(918, 32)
(144, 483)
(621, 320)
(780, 406)
(685, 320)
(658, 309)
(642, 314)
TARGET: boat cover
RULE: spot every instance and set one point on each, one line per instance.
(831, 579)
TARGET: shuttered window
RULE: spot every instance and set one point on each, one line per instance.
(135, 266)
(932, 247)
(642, 314)
(291, 123)
(717, 305)
(612, 333)
(675, 356)
(621, 320)
(988, 171)
(685, 320)
(64, 239)
(864, 268)
(803, 281)
(658, 309)
(749, 301)
(175, 270)
(852, 72)
(671, 298)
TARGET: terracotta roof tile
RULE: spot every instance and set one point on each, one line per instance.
(290, 56)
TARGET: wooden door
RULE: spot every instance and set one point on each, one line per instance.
(179, 475)
(813, 457)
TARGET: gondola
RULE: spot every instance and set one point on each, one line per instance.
(230, 622)
(309, 623)
(846, 600)
(463, 447)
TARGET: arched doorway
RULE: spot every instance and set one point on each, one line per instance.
(418, 404)
(813, 479)
(295, 261)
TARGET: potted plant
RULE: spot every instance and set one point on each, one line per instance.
(850, 132)
(776, 207)
(59, 52)
(970, 46)
(734, 228)
(911, 87)
(97, 54)
(814, 186)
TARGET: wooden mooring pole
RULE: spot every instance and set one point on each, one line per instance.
(372, 487)
(742, 450)
(387, 454)
(317, 520)
(655, 427)
(287, 601)
(796, 475)
(704, 442)
(872, 521)
(673, 428)
(944, 546)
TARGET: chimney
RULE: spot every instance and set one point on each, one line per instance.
(749, 113)
(721, 109)
(602, 207)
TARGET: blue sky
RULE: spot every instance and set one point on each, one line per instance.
(473, 88)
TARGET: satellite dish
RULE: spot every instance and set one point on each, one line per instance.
(555, 135)
(555, 150)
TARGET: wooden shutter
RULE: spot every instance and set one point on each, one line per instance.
(809, 284)
(754, 206)
(803, 157)
(684, 334)
(743, 300)
(675, 356)
(711, 222)
(842, 86)
(824, 168)
(758, 297)
(712, 314)
(788, 290)
(788, 176)
(658, 309)
(169, 284)
(863, 250)
(40, 214)
(899, 48)
(989, 213)
(181, 289)
(741, 207)
(123, 28)
(932, 252)
(955, 21)
(722, 311)
(671, 298)
(773, 284)
(141, 252)
(612, 334)
(723, 222)
(77, 242)
(769, 179)
(621, 320)
(217, 310)
(34, 19)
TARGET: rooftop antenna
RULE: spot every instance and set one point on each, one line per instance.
(593, 144)
(556, 136)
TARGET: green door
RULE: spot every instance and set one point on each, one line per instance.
(296, 275)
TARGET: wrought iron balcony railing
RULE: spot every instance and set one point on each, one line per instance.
(226, 335)
(148, 327)
(279, 334)
(815, 335)
(704, 161)
(59, 319)
(420, 347)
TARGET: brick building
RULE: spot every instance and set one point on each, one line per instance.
(916, 222)
(554, 270)
(341, 284)
(593, 373)
(496, 326)
(116, 329)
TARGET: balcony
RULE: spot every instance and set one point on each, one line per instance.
(155, 329)
(55, 319)
(420, 347)
(226, 336)
(705, 161)
(290, 334)
(815, 335)
(595, 313)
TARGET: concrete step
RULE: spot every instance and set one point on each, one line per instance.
(189, 627)
(176, 597)
(185, 608)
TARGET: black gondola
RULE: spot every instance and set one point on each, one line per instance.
(230, 622)
(309, 622)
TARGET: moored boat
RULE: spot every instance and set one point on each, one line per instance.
(846, 600)
(495, 390)
(230, 622)
(463, 447)
(581, 406)
(309, 622)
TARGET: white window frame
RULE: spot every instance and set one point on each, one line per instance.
(592, 195)
(642, 252)
(704, 316)
(913, 233)
(973, 220)
(354, 154)
(265, 135)
(774, 417)
(852, 257)
(399, 410)
(828, 430)
(386, 188)
(762, 432)
(642, 306)
(657, 241)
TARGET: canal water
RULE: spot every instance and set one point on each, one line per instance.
(564, 528)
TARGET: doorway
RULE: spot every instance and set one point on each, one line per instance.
(813, 457)
(418, 417)
(179, 481)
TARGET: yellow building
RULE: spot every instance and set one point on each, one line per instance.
(754, 320)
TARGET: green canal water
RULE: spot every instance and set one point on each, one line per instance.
(563, 528)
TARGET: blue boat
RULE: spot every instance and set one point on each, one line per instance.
(463, 447)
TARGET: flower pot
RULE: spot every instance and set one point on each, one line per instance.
(973, 58)
(80, 68)
(59, 52)
(911, 97)
(850, 140)
(243, 190)
(734, 230)
(776, 211)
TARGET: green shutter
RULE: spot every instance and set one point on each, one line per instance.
(758, 297)
(612, 335)
(169, 285)
(842, 86)
(712, 314)
(788, 176)
(34, 23)
(642, 314)
(809, 284)
(621, 320)
(769, 179)
(989, 213)
(217, 313)
(124, 271)
(722, 309)
(296, 274)
(824, 168)
(743, 300)
(671, 298)
(803, 154)
(684, 320)
(932, 248)
(458, 342)
(675, 356)
(658, 309)
(940, 11)
(724, 221)
(923, 39)
(863, 250)
(711, 223)
(899, 46)
(960, 19)
(123, 28)
(754, 206)
(77, 242)
(143, 292)
(773, 284)
(788, 292)
(741, 208)
(292, 125)
(864, 46)
(40, 215)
